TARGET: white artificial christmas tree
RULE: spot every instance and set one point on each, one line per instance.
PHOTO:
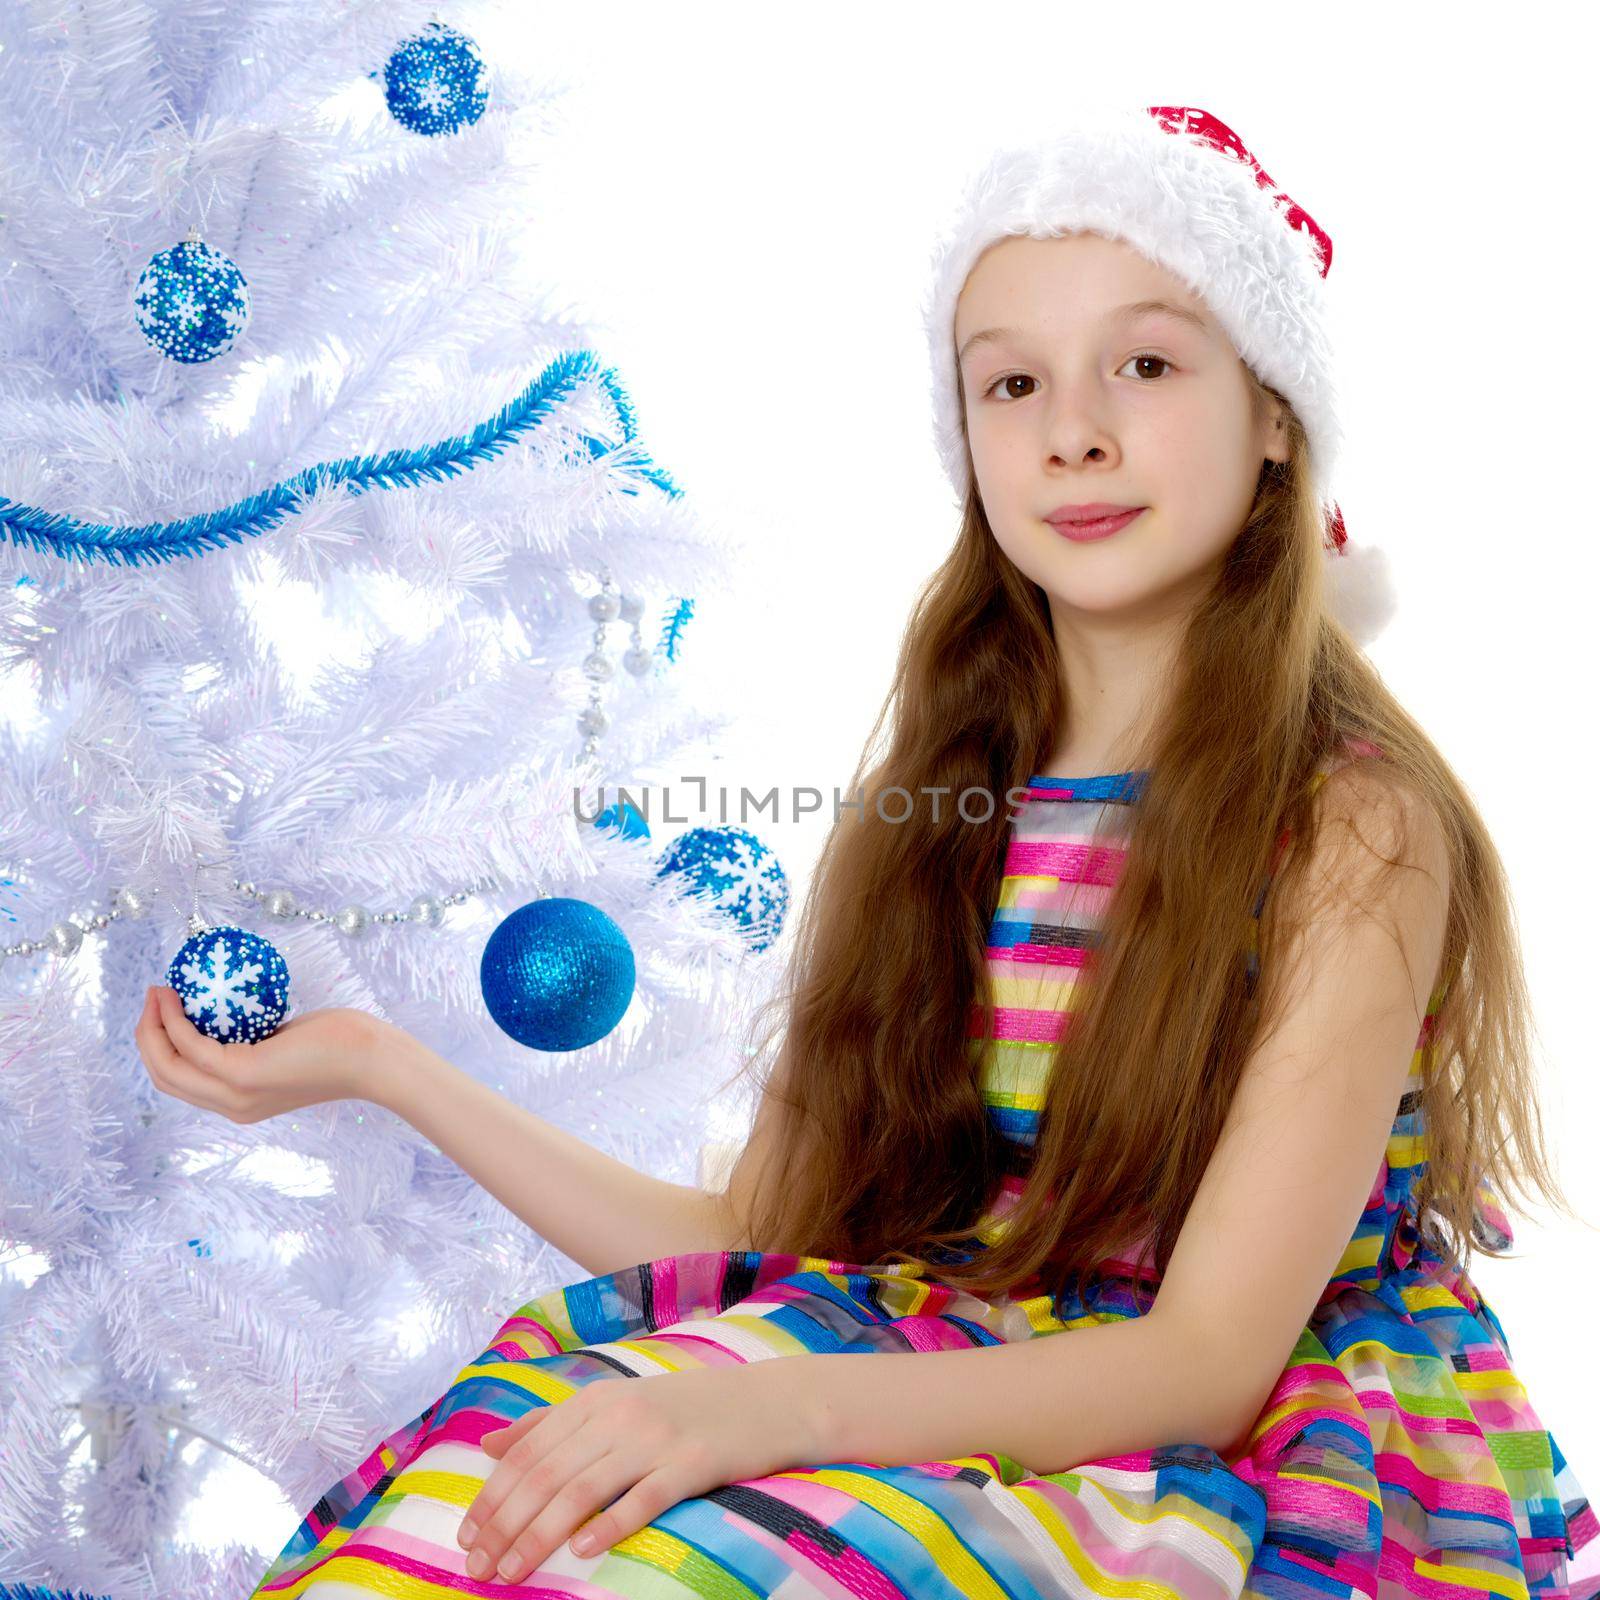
(313, 505)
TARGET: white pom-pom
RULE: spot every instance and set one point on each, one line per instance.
(1361, 592)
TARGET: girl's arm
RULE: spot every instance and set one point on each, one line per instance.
(1305, 1140)
(1268, 1227)
(599, 1211)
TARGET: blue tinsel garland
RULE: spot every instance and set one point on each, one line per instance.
(58, 534)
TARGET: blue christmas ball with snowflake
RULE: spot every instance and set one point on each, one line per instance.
(233, 983)
(436, 82)
(738, 873)
(191, 302)
(557, 974)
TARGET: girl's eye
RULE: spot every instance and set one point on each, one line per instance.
(1009, 376)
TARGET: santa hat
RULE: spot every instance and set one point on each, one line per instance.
(1177, 185)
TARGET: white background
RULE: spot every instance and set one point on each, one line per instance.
(744, 203)
(747, 200)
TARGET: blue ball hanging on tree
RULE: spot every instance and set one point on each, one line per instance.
(557, 974)
(436, 81)
(191, 301)
(738, 873)
(233, 983)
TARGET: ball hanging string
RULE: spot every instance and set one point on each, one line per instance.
(56, 533)
(196, 923)
(177, 187)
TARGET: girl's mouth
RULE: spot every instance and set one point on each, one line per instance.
(1099, 528)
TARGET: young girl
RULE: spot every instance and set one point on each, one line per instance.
(1166, 1194)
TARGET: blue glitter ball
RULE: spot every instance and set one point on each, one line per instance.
(436, 82)
(557, 974)
(624, 819)
(233, 983)
(738, 873)
(191, 301)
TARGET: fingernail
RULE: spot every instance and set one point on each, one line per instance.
(582, 1544)
(478, 1564)
(467, 1532)
(510, 1564)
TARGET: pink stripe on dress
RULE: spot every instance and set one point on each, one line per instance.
(1095, 864)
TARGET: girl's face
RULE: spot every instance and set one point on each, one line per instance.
(1077, 399)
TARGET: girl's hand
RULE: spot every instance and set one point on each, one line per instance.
(320, 1055)
(652, 1441)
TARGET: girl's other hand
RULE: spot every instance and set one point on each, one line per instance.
(320, 1055)
(612, 1456)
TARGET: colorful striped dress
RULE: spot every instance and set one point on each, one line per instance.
(1397, 1455)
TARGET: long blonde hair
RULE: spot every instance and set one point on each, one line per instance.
(886, 1151)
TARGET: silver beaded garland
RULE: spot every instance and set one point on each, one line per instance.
(65, 938)
(353, 919)
(426, 910)
(131, 903)
(637, 661)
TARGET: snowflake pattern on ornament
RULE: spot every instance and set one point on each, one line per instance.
(433, 95)
(436, 82)
(186, 309)
(739, 874)
(191, 302)
(234, 984)
(751, 877)
(222, 990)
